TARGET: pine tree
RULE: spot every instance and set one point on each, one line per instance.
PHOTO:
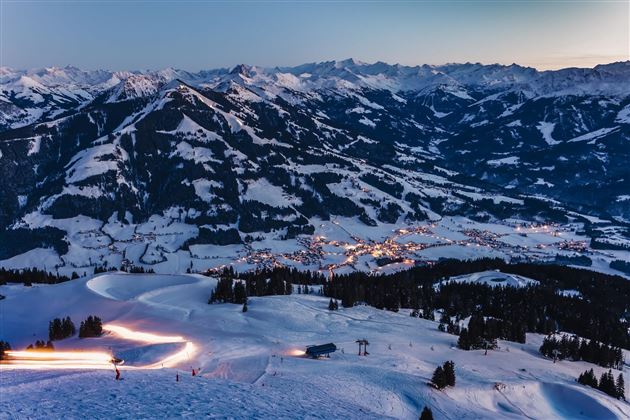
(588, 378)
(449, 373)
(438, 378)
(331, 305)
(240, 294)
(54, 329)
(621, 387)
(4, 346)
(67, 327)
(463, 341)
(607, 384)
(91, 327)
(582, 378)
(426, 414)
(245, 306)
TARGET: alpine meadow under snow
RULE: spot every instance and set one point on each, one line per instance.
(215, 224)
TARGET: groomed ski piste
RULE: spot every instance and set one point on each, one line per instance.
(251, 365)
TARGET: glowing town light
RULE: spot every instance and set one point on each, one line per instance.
(296, 352)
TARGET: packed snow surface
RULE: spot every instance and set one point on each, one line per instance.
(493, 278)
(250, 363)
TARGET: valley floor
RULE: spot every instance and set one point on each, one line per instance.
(250, 363)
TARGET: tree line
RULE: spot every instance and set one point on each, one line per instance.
(58, 329)
(599, 313)
(30, 276)
(235, 289)
(483, 333)
(606, 383)
(575, 348)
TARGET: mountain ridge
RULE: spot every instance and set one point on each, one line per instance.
(237, 155)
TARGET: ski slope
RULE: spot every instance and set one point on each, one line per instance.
(250, 363)
(493, 278)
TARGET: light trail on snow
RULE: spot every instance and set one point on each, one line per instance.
(144, 337)
(51, 359)
(47, 359)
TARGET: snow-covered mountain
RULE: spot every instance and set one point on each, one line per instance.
(235, 156)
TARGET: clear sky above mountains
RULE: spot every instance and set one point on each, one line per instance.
(196, 34)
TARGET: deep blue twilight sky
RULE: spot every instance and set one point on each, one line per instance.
(197, 34)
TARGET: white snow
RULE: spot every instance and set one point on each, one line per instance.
(195, 154)
(624, 115)
(34, 145)
(594, 135)
(368, 122)
(493, 278)
(248, 366)
(546, 129)
(46, 258)
(93, 161)
(22, 200)
(511, 160)
(571, 293)
(541, 181)
(203, 188)
(263, 191)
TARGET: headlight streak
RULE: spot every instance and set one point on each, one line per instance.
(47, 360)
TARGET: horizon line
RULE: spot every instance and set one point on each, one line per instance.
(280, 67)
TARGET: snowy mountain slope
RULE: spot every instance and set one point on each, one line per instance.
(236, 156)
(249, 360)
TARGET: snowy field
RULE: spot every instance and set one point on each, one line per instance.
(493, 278)
(250, 363)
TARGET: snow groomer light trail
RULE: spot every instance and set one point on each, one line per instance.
(44, 359)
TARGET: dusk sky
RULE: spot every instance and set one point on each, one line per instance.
(198, 34)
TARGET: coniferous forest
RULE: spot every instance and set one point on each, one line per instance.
(575, 348)
(58, 329)
(91, 327)
(599, 312)
(234, 288)
(606, 383)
